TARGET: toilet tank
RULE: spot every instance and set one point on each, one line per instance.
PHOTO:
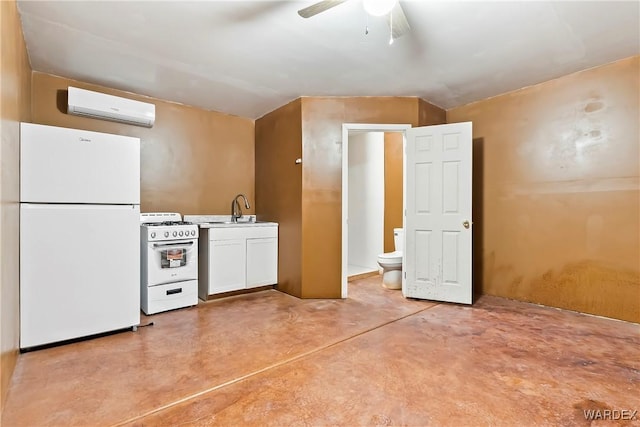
(398, 238)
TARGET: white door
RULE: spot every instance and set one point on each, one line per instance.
(79, 271)
(262, 262)
(60, 165)
(437, 245)
(169, 262)
(227, 265)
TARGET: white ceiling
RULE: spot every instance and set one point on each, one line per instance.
(249, 57)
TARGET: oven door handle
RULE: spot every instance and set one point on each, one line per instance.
(172, 245)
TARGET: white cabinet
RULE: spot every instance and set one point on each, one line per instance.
(262, 261)
(227, 260)
(237, 257)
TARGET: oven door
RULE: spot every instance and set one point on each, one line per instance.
(174, 261)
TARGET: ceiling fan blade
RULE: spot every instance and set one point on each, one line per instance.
(398, 22)
(321, 6)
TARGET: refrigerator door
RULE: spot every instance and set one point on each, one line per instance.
(79, 271)
(60, 165)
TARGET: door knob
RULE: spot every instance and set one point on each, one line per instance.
(466, 224)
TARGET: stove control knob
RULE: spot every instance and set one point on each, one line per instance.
(166, 234)
(193, 232)
(175, 233)
(153, 235)
(180, 234)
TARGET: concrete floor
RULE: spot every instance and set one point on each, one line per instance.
(375, 359)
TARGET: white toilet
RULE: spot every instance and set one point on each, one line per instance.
(391, 262)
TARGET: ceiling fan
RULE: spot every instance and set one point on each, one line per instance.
(397, 20)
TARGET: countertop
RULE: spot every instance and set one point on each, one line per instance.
(224, 221)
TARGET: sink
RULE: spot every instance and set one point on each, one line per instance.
(239, 223)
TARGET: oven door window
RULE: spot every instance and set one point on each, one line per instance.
(170, 258)
(174, 255)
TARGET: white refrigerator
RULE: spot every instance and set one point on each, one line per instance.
(79, 233)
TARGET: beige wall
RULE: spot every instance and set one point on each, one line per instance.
(557, 169)
(193, 161)
(429, 114)
(279, 187)
(393, 187)
(322, 120)
(15, 78)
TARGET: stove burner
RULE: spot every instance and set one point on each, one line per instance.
(165, 223)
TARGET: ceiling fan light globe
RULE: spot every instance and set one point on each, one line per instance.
(378, 7)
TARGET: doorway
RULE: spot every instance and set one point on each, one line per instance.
(366, 201)
(363, 217)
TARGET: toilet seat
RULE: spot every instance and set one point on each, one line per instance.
(390, 259)
(391, 255)
(391, 262)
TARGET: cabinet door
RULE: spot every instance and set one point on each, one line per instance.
(226, 265)
(262, 262)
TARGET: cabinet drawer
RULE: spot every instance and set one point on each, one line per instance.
(170, 296)
(246, 232)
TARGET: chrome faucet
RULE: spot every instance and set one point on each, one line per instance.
(236, 209)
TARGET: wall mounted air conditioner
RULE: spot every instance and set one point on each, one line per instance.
(108, 107)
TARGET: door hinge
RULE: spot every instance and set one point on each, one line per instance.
(405, 274)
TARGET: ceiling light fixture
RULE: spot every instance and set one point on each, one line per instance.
(378, 7)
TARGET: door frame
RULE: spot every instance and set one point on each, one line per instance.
(363, 127)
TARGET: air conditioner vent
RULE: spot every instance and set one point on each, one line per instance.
(96, 105)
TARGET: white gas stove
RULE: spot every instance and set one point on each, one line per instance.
(169, 262)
